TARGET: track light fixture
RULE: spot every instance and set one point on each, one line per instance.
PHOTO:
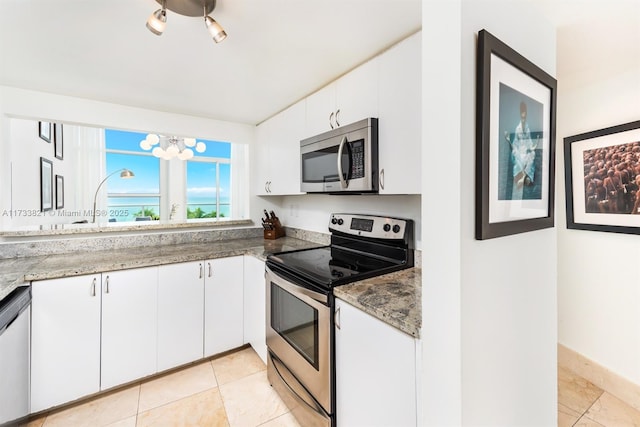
(158, 19)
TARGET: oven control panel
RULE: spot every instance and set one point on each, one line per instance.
(379, 227)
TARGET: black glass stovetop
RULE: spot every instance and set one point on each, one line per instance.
(330, 266)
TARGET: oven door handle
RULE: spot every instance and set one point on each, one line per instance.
(315, 408)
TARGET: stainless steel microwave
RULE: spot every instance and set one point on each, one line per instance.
(342, 160)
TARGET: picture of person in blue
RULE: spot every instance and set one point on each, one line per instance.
(523, 151)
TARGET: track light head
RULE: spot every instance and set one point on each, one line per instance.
(157, 22)
(215, 29)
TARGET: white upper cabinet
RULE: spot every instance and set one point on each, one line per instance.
(276, 154)
(400, 113)
(357, 93)
(352, 97)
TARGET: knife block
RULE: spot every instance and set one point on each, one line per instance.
(276, 232)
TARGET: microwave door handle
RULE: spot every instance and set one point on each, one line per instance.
(343, 182)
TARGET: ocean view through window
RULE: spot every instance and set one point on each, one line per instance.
(207, 180)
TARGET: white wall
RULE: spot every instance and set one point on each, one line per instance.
(598, 277)
(80, 167)
(504, 289)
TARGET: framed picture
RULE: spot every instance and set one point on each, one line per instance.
(515, 142)
(46, 184)
(44, 129)
(59, 192)
(58, 141)
(602, 179)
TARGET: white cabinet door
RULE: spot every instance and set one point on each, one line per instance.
(254, 306)
(400, 118)
(287, 129)
(375, 371)
(261, 166)
(223, 318)
(320, 111)
(357, 94)
(65, 340)
(129, 325)
(180, 314)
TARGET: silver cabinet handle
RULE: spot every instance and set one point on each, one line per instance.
(331, 119)
(209, 264)
(269, 187)
(106, 286)
(93, 287)
(337, 116)
(382, 178)
(336, 318)
(200, 276)
(265, 186)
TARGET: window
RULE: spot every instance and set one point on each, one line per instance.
(209, 182)
(137, 198)
(207, 189)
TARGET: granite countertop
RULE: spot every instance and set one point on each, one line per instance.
(20, 271)
(394, 298)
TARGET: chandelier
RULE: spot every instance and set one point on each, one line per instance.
(170, 147)
(157, 22)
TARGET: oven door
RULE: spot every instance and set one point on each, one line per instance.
(298, 334)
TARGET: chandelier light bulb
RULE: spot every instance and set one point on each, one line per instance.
(171, 147)
(152, 139)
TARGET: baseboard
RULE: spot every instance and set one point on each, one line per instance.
(600, 376)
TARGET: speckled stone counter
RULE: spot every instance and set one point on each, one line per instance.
(16, 272)
(394, 298)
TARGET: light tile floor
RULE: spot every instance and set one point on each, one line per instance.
(581, 403)
(232, 390)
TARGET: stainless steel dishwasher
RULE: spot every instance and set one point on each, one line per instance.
(15, 321)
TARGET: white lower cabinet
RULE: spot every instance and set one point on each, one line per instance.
(129, 325)
(223, 311)
(254, 306)
(180, 313)
(375, 371)
(95, 332)
(65, 340)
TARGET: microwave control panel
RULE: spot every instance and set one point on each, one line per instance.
(357, 156)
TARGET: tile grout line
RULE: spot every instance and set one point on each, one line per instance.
(224, 406)
(583, 415)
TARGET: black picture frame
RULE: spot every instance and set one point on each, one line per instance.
(601, 185)
(59, 192)
(46, 185)
(44, 131)
(515, 172)
(58, 141)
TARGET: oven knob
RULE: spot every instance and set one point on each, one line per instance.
(396, 228)
(334, 221)
(340, 221)
(386, 227)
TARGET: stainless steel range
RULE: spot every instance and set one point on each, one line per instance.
(300, 303)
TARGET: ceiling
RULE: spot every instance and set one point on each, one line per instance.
(277, 51)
